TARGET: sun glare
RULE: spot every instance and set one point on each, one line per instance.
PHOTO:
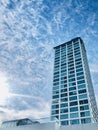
(3, 88)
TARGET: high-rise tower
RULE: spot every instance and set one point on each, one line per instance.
(73, 99)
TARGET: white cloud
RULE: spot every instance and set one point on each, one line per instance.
(4, 90)
(28, 33)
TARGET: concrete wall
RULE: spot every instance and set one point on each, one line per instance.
(81, 127)
(54, 126)
(38, 126)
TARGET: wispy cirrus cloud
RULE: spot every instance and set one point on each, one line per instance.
(29, 31)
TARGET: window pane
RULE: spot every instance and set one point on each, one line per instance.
(64, 116)
(64, 122)
(74, 121)
(74, 115)
(86, 120)
(64, 110)
(55, 106)
(83, 101)
(72, 88)
(82, 91)
(73, 109)
(83, 114)
(81, 86)
(86, 107)
(55, 112)
(73, 103)
(82, 96)
(64, 105)
(73, 98)
(64, 99)
(72, 93)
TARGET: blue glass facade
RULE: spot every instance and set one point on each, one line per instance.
(73, 100)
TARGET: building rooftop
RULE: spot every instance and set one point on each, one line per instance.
(74, 40)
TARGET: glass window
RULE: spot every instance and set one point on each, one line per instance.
(55, 96)
(73, 103)
(71, 80)
(71, 76)
(64, 86)
(63, 65)
(64, 95)
(81, 82)
(82, 91)
(79, 73)
(55, 87)
(78, 70)
(80, 77)
(56, 83)
(72, 84)
(76, 51)
(56, 67)
(65, 77)
(63, 69)
(64, 122)
(81, 86)
(56, 92)
(71, 72)
(56, 80)
(57, 59)
(82, 96)
(64, 99)
(78, 63)
(83, 101)
(63, 90)
(74, 115)
(72, 93)
(65, 116)
(56, 73)
(71, 62)
(73, 98)
(55, 117)
(55, 112)
(72, 88)
(76, 43)
(79, 66)
(77, 48)
(73, 109)
(69, 51)
(70, 59)
(63, 82)
(63, 74)
(86, 120)
(86, 107)
(55, 106)
(57, 63)
(83, 114)
(63, 61)
(71, 67)
(77, 56)
(77, 60)
(64, 105)
(64, 110)
(63, 54)
(74, 121)
(56, 76)
(55, 101)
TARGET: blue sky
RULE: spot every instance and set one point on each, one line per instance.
(28, 32)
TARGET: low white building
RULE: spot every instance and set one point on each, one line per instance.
(26, 124)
